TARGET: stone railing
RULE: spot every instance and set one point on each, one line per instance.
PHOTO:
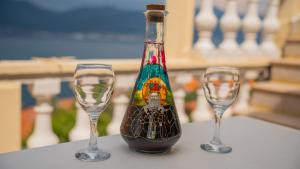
(44, 79)
(231, 23)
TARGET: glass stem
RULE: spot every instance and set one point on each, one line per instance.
(216, 139)
(93, 134)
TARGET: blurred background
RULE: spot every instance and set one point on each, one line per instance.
(41, 41)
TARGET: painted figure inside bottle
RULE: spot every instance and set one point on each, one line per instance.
(151, 122)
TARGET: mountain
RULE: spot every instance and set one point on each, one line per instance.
(25, 17)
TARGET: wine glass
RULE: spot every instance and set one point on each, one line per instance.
(221, 86)
(93, 87)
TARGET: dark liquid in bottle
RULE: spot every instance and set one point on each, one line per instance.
(151, 131)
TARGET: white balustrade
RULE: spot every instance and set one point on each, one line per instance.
(243, 100)
(205, 24)
(179, 102)
(183, 78)
(43, 90)
(230, 23)
(271, 25)
(125, 82)
(202, 111)
(81, 130)
(122, 85)
(251, 25)
(242, 104)
(180, 80)
(120, 105)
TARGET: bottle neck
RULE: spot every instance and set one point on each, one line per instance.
(154, 54)
(154, 26)
(154, 32)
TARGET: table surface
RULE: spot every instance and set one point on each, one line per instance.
(256, 145)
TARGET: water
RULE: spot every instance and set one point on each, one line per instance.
(23, 48)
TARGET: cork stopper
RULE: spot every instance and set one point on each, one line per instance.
(155, 7)
(156, 12)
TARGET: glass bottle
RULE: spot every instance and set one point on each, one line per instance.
(151, 122)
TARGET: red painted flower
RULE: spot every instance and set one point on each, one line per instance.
(154, 59)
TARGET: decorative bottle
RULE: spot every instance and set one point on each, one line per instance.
(151, 123)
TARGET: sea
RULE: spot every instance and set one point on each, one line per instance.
(24, 48)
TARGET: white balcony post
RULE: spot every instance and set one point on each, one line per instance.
(179, 102)
(242, 105)
(202, 111)
(243, 100)
(251, 25)
(180, 80)
(82, 126)
(43, 90)
(230, 23)
(205, 24)
(121, 100)
(120, 105)
(271, 25)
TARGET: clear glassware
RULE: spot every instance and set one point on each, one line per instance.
(221, 87)
(93, 87)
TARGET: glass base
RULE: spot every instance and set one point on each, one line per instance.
(216, 148)
(92, 156)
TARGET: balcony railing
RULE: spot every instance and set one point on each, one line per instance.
(181, 24)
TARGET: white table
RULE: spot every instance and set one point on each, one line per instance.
(256, 145)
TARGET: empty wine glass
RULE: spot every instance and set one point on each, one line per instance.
(221, 86)
(93, 87)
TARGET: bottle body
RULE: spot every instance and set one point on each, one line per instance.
(151, 122)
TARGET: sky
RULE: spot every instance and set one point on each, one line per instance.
(65, 5)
